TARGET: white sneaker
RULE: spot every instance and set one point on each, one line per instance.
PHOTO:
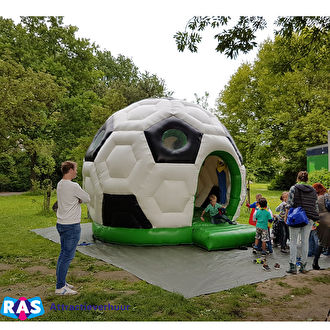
(70, 286)
(65, 291)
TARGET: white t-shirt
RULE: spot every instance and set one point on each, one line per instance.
(68, 195)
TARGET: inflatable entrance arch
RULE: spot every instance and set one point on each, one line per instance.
(152, 164)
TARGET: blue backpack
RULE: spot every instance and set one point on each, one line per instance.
(297, 217)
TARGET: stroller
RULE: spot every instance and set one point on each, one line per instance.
(280, 233)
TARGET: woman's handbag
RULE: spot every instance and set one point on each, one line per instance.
(297, 217)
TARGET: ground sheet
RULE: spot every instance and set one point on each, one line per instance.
(188, 270)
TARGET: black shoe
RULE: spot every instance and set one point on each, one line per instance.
(317, 267)
(284, 251)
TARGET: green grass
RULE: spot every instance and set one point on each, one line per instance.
(21, 248)
(272, 196)
(301, 291)
(283, 284)
(322, 279)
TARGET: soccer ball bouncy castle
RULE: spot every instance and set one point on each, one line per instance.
(152, 164)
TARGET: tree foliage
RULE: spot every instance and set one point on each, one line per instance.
(241, 36)
(56, 90)
(279, 106)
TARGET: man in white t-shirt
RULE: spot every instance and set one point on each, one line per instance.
(69, 197)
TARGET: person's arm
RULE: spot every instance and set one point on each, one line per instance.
(202, 215)
(81, 194)
(317, 206)
(255, 216)
(270, 217)
(279, 208)
(290, 201)
(253, 205)
(286, 215)
(270, 212)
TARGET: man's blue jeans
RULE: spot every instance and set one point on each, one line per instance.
(70, 235)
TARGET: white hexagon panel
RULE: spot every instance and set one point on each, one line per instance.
(151, 163)
(116, 166)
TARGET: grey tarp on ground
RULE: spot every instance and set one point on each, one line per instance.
(188, 270)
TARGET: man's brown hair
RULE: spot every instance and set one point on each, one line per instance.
(67, 165)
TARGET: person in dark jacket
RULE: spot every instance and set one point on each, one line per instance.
(304, 195)
(323, 229)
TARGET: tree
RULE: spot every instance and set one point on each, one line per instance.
(44, 49)
(28, 114)
(56, 90)
(241, 37)
(277, 107)
(122, 75)
(45, 44)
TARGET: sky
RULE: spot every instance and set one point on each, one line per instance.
(148, 40)
(143, 31)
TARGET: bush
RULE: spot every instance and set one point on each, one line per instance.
(321, 176)
(284, 180)
(14, 172)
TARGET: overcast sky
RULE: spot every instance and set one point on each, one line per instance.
(143, 31)
(148, 39)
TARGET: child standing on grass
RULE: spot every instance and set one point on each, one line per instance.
(262, 233)
(214, 208)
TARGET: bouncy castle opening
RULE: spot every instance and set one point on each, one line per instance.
(219, 175)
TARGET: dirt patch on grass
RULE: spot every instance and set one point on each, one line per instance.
(39, 270)
(25, 290)
(78, 273)
(5, 267)
(118, 275)
(11, 193)
(302, 297)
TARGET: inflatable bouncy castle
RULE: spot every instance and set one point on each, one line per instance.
(153, 165)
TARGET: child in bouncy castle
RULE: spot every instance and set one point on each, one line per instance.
(216, 211)
(253, 207)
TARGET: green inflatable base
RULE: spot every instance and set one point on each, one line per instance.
(205, 235)
(222, 236)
